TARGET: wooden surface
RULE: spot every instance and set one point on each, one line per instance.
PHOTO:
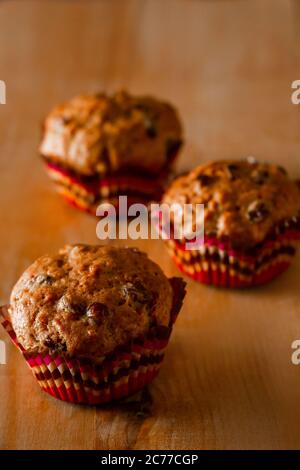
(227, 380)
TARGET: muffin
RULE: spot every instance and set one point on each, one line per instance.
(93, 321)
(251, 222)
(99, 147)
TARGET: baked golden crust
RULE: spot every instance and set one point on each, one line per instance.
(100, 134)
(88, 300)
(243, 200)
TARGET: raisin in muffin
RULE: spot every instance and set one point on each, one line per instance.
(99, 147)
(93, 321)
(251, 222)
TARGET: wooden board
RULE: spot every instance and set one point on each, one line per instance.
(227, 380)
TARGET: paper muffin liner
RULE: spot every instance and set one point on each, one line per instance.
(112, 377)
(87, 195)
(217, 263)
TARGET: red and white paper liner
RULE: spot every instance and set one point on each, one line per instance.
(87, 195)
(109, 378)
(216, 263)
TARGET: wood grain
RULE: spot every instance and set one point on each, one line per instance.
(227, 381)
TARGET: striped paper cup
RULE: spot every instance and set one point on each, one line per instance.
(217, 263)
(86, 194)
(109, 378)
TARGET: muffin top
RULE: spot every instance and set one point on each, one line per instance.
(243, 200)
(88, 300)
(100, 134)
